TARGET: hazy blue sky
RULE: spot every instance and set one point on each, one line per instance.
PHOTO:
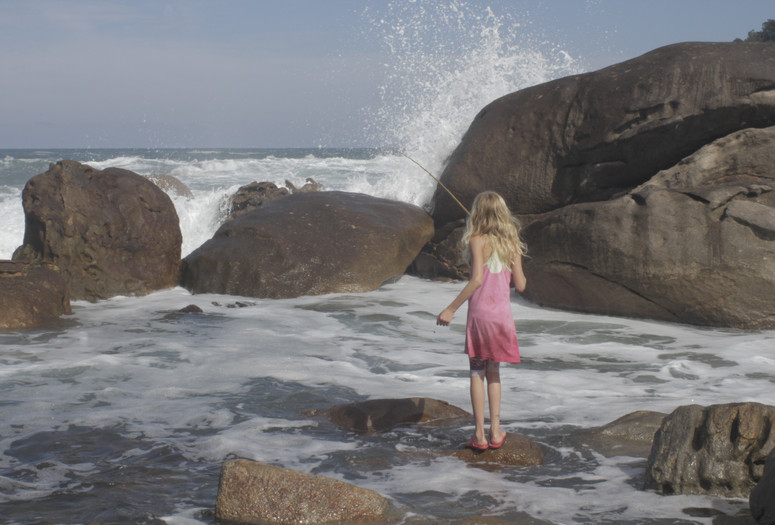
(278, 73)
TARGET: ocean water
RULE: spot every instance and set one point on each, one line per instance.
(124, 411)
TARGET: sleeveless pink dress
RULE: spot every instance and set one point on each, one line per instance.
(490, 330)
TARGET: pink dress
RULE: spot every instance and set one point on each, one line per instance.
(490, 330)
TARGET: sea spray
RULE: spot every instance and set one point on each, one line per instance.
(445, 61)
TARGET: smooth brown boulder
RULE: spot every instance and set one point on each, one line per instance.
(718, 450)
(516, 451)
(589, 137)
(109, 232)
(30, 295)
(693, 245)
(257, 493)
(380, 415)
(309, 244)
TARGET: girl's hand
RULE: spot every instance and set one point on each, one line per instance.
(445, 317)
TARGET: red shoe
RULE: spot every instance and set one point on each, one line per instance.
(499, 444)
(476, 446)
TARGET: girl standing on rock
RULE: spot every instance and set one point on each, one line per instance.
(494, 252)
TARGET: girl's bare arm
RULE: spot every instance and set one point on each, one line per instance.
(518, 276)
(477, 245)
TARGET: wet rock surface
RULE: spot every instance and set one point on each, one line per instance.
(257, 493)
(309, 243)
(109, 232)
(31, 295)
(718, 450)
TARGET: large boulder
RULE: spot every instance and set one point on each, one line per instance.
(718, 450)
(110, 232)
(309, 244)
(592, 136)
(645, 188)
(30, 295)
(258, 493)
(694, 244)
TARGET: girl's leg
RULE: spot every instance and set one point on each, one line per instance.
(494, 394)
(478, 398)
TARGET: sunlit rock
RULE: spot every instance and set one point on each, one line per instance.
(257, 493)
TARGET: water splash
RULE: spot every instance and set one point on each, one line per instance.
(445, 61)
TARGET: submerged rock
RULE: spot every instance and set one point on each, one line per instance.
(109, 232)
(258, 493)
(309, 244)
(31, 295)
(719, 450)
(630, 435)
(380, 415)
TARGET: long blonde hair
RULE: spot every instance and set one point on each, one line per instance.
(490, 216)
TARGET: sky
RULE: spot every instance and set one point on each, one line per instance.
(290, 73)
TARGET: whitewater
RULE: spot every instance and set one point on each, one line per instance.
(124, 411)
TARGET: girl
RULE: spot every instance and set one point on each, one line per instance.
(493, 249)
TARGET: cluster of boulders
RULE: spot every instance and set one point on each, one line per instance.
(94, 234)
(722, 450)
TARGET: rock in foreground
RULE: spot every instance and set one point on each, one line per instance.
(30, 295)
(719, 450)
(257, 493)
(309, 244)
(109, 232)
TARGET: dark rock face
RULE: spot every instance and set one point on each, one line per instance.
(253, 492)
(589, 137)
(380, 415)
(645, 188)
(309, 244)
(109, 232)
(762, 500)
(30, 295)
(717, 450)
(694, 244)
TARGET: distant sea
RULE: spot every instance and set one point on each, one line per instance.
(124, 411)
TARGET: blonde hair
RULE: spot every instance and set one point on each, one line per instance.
(490, 216)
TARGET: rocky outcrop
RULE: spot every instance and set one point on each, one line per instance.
(694, 244)
(380, 415)
(645, 188)
(762, 500)
(30, 295)
(309, 244)
(253, 195)
(253, 492)
(719, 450)
(589, 137)
(109, 232)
